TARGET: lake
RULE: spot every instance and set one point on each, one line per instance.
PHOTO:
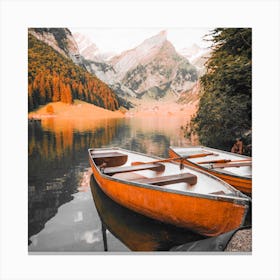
(62, 214)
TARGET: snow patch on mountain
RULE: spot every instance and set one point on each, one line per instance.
(89, 50)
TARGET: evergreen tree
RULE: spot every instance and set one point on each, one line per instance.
(225, 106)
(53, 77)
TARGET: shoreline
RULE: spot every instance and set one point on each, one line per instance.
(80, 110)
(77, 110)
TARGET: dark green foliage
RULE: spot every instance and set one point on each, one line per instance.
(225, 108)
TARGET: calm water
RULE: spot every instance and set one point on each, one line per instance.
(62, 214)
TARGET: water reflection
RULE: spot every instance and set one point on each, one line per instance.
(137, 232)
(57, 159)
(75, 227)
(57, 156)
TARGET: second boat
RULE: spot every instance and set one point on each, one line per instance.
(168, 191)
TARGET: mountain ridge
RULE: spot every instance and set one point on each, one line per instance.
(60, 39)
(55, 77)
(163, 69)
(153, 67)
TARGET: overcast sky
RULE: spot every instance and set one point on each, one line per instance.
(118, 40)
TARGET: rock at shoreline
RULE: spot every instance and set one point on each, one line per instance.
(240, 242)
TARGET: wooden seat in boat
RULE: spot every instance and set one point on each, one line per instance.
(109, 159)
(151, 166)
(170, 179)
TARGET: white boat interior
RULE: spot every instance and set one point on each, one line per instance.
(206, 184)
(237, 164)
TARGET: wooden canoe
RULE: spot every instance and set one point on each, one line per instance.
(189, 198)
(234, 169)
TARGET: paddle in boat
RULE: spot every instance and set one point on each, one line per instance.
(235, 169)
(168, 191)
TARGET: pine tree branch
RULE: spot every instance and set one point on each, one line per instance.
(249, 45)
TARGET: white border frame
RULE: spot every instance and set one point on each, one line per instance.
(17, 16)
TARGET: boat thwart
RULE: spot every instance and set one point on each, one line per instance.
(159, 189)
(235, 169)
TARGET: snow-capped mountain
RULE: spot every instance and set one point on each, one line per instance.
(197, 56)
(89, 50)
(154, 68)
(139, 55)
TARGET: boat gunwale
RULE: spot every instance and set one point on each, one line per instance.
(242, 199)
(213, 169)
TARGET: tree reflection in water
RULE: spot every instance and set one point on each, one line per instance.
(57, 156)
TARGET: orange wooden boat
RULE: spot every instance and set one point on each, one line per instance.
(234, 169)
(162, 190)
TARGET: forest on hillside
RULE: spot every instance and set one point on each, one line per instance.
(52, 77)
(225, 107)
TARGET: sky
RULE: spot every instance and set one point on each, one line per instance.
(118, 40)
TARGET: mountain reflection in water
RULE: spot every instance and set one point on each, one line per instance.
(58, 159)
(137, 232)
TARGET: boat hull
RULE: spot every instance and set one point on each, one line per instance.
(242, 184)
(208, 216)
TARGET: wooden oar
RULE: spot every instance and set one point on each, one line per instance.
(174, 158)
(223, 161)
(234, 164)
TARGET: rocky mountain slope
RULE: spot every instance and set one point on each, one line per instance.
(152, 69)
(97, 63)
(190, 96)
(53, 76)
(197, 56)
(141, 54)
(89, 50)
(60, 39)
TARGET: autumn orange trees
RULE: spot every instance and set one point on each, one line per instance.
(53, 77)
